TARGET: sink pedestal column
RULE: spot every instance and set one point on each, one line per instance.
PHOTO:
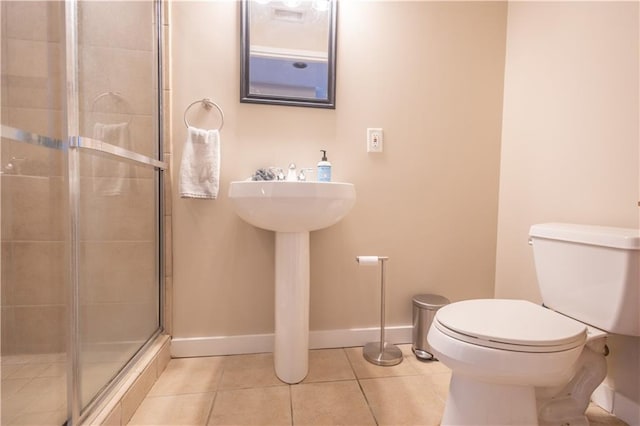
(291, 349)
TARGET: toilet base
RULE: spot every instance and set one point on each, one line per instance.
(472, 402)
(569, 404)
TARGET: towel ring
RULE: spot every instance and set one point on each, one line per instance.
(119, 98)
(207, 104)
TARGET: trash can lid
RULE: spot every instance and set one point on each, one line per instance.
(430, 301)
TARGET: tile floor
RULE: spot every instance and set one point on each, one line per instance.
(340, 389)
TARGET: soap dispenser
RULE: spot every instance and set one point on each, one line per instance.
(324, 168)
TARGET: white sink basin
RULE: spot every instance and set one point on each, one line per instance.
(283, 206)
(292, 209)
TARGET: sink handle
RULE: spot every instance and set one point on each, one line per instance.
(302, 174)
(278, 172)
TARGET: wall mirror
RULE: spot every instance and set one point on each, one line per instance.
(288, 50)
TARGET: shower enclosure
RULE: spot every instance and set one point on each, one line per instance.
(80, 201)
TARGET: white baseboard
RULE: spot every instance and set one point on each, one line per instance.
(183, 347)
(622, 407)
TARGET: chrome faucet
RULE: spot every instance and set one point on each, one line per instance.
(291, 175)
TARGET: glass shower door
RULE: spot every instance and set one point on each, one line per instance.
(34, 305)
(79, 201)
(118, 291)
(33, 212)
(118, 199)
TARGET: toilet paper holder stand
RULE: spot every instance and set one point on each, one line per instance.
(381, 352)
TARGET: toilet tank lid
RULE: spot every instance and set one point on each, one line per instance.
(623, 238)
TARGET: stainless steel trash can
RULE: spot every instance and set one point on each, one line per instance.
(424, 310)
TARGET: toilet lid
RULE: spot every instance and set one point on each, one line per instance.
(516, 325)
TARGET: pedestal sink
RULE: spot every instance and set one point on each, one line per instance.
(292, 210)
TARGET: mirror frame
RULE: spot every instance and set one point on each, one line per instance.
(245, 43)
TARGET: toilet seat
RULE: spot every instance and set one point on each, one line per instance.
(513, 325)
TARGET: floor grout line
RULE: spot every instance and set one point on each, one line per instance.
(210, 413)
(291, 421)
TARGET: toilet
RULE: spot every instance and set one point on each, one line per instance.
(514, 362)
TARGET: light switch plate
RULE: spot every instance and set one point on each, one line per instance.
(374, 139)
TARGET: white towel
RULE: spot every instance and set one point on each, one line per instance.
(112, 177)
(200, 166)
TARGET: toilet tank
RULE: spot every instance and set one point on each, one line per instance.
(590, 273)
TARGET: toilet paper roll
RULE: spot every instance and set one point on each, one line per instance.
(367, 260)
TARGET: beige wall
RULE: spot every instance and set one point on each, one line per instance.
(570, 139)
(430, 74)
